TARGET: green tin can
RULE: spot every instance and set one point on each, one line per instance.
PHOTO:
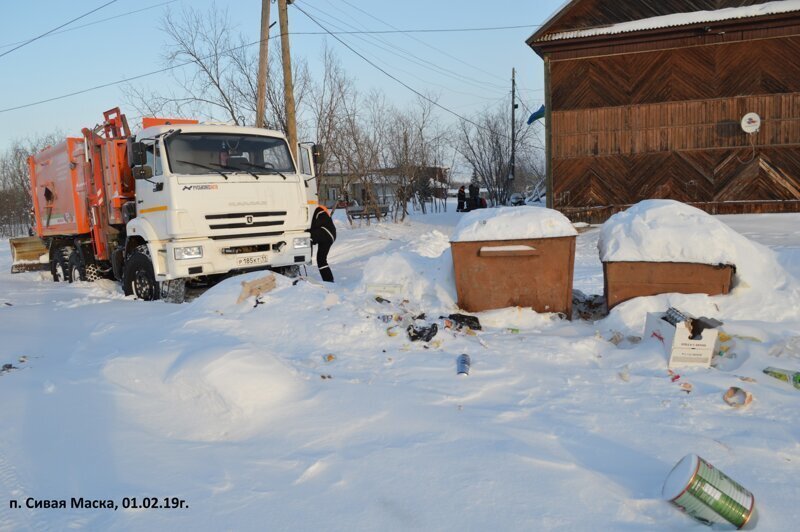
(708, 494)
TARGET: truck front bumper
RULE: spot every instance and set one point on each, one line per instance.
(224, 256)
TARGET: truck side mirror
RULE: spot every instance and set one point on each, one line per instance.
(142, 172)
(137, 153)
(318, 153)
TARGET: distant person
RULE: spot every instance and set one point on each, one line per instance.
(462, 200)
(323, 235)
(483, 203)
(474, 192)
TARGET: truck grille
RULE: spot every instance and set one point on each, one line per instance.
(245, 224)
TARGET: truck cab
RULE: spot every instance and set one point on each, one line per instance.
(212, 199)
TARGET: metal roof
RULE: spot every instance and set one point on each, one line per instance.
(677, 20)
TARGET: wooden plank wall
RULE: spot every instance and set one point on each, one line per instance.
(665, 124)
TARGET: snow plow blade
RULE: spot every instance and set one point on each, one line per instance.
(26, 254)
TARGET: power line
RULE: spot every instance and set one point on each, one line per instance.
(423, 42)
(98, 21)
(434, 68)
(172, 67)
(57, 28)
(421, 95)
(402, 53)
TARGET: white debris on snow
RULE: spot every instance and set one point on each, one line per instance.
(512, 223)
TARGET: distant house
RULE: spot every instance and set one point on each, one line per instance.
(645, 98)
(383, 184)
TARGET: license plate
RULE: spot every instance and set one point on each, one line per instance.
(251, 261)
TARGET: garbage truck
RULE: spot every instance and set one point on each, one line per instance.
(179, 201)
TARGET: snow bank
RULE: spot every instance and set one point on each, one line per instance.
(512, 223)
(428, 283)
(211, 394)
(670, 231)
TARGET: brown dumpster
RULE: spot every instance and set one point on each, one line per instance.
(627, 280)
(533, 273)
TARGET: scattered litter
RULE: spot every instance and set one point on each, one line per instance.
(708, 495)
(464, 320)
(785, 375)
(23, 359)
(7, 367)
(747, 379)
(329, 357)
(331, 299)
(325, 377)
(484, 344)
(6, 303)
(687, 387)
(394, 330)
(379, 299)
(588, 307)
(512, 331)
(625, 374)
(386, 318)
(686, 340)
(425, 334)
(436, 344)
(737, 397)
(470, 332)
(257, 287)
(463, 364)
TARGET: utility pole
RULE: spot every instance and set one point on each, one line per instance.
(288, 86)
(263, 68)
(512, 170)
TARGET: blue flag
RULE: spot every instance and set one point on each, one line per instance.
(536, 116)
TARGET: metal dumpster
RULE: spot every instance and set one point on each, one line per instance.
(533, 273)
(627, 280)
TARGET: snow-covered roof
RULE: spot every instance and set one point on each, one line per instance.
(512, 223)
(679, 19)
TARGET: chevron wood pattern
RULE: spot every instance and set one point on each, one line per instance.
(692, 73)
(712, 177)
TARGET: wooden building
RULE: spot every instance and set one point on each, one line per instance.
(645, 99)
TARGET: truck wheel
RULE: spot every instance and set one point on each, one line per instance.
(139, 278)
(174, 291)
(59, 266)
(77, 272)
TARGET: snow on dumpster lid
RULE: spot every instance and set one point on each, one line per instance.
(670, 231)
(667, 231)
(512, 223)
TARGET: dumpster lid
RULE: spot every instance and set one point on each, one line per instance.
(512, 223)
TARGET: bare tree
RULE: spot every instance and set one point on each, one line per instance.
(485, 142)
(216, 72)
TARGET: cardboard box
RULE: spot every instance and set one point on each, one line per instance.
(676, 340)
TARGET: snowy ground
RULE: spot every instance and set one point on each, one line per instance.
(239, 410)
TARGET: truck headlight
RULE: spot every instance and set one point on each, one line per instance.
(193, 252)
(302, 242)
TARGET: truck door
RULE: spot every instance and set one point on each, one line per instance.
(308, 172)
(151, 198)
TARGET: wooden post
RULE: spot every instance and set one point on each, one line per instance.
(288, 85)
(263, 66)
(548, 132)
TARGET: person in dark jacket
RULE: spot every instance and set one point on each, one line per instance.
(462, 200)
(474, 200)
(323, 235)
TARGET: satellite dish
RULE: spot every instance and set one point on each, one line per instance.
(751, 123)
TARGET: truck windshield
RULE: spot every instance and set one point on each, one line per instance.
(207, 153)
